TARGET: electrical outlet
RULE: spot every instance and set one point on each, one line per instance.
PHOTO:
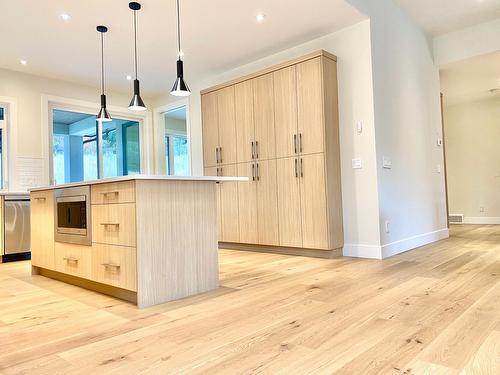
(387, 226)
(357, 163)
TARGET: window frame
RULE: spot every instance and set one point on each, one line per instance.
(4, 183)
(171, 155)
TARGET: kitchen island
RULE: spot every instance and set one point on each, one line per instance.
(146, 239)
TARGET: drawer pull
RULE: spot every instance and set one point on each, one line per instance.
(43, 199)
(71, 259)
(107, 225)
(110, 265)
(107, 194)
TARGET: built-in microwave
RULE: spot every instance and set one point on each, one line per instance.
(72, 215)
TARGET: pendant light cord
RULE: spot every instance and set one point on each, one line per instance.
(102, 62)
(135, 41)
(179, 27)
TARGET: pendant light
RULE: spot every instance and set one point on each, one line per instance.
(180, 88)
(103, 115)
(136, 104)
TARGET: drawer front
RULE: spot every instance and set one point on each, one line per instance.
(116, 192)
(114, 224)
(115, 265)
(73, 259)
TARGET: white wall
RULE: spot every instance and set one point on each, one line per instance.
(407, 125)
(359, 187)
(473, 160)
(27, 138)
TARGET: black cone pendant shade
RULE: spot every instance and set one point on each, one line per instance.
(136, 104)
(103, 115)
(180, 87)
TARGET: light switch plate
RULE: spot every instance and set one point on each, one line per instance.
(386, 162)
(357, 163)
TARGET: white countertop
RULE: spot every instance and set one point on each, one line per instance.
(142, 177)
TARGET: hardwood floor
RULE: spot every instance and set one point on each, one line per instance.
(435, 310)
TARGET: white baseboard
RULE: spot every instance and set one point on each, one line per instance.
(362, 251)
(394, 248)
(411, 243)
(482, 220)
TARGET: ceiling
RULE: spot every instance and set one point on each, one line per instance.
(178, 114)
(68, 118)
(471, 79)
(217, 35)
(443, 16)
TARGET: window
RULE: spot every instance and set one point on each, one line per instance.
(3, 148)
(75, 147)
(176, 143)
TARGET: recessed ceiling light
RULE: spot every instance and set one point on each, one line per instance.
(65, 17)
(23, 62)
(260, 17)
(129, 78)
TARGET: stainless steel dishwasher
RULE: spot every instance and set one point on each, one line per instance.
(17, 236)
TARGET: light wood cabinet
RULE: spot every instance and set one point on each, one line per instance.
(290, 223)
(73, 259)
(230, 231)
(42, 229)
(214, 171)
(285, 103)
(115, 265)
(247, 204)
(287, 144)
(210, 129)
(116, 192)
(227, 126)
(114, 224)
(263, 99)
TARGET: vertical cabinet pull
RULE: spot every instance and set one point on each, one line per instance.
(253, 172)
(256, 150)
(217, 154)
(253, 150)
(296, 170)
(221, 174)
(217, 171)
(300, 142)
(295, 143)
(301, 170)
(258, 172)
(220, 154)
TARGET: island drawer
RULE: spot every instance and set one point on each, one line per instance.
(115, 265)
(114, 224)
(113, 192)
(73, 259)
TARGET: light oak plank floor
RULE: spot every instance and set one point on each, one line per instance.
(435, 310)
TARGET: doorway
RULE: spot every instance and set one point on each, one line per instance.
(176, 142)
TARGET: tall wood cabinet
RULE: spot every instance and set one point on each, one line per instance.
(279, 128)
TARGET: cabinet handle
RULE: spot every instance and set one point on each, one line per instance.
(106, 194)
(217, 154)
(301, 170)
(295, 142)
(253, 150)
(253, 172)
(256, 149)
(300, 142)
(43, 199)
(107, 225)
(71, 259)
(221, 174)
(217, 171)
(296, 170)
(258, 172)
(110, 265)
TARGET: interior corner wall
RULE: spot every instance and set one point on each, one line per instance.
(472, 133)
(359, 187)
(406, 93)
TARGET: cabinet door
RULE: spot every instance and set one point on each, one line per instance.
(263, 93)
(245, 134)
(285, 108)
(267, 203)
(114, 224)
(227, 125)
(247, 204)
(310, 112)
(213, 171)
(229, 205)
(115, 265)
(313, 201)
(73, 259)
(290, 226)
(42, 229)
(210, 128)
